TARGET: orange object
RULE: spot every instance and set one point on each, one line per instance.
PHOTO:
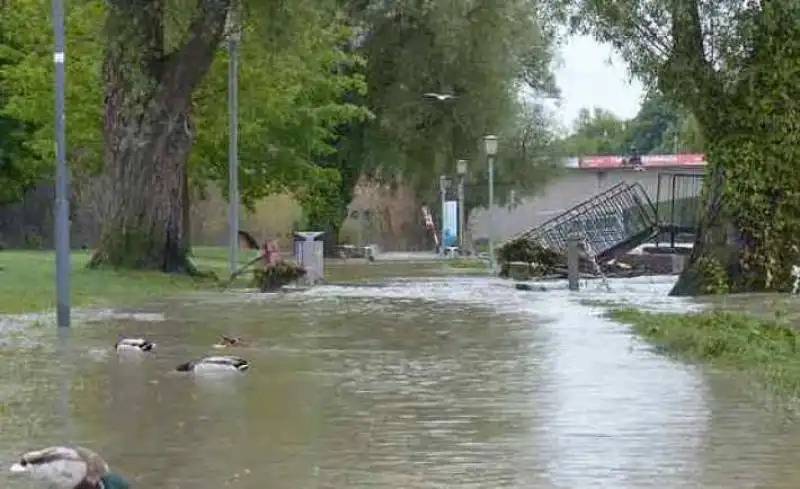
(271, 252)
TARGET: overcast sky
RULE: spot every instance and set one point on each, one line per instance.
(587, 79)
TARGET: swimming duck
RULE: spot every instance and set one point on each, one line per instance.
(69, 468)
(219, 364)
(226, 341)
(134, 344)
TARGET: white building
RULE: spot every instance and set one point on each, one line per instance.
(589, 176)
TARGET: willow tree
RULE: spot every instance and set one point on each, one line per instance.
(147, 127)
(484, 53)
(734, 65)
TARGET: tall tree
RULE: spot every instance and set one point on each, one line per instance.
(660, 127)
(528, 158)
(482, 53)
(733, 65)
(157, 105)
(597, 132)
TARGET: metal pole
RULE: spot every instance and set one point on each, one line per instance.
(62, 177)
(491, 212)
(573, 257)
(461, 223)
(65, 381)
(233, 150)
(443, 194)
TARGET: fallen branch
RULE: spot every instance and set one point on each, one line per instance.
(240, 271)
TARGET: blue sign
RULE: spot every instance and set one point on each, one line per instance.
(450, 231)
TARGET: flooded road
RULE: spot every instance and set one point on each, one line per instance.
(407, 384)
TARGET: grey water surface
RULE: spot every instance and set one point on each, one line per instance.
(419, 383)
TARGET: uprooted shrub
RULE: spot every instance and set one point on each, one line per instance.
(277, 275)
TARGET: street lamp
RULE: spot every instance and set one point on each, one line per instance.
(461, 169)
(443, 185)
(232, 27)
(62, 175)
(490, 146)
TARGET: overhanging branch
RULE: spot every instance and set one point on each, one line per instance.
(193, 59)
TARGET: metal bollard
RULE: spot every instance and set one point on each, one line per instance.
(573, 271)
(310, 256)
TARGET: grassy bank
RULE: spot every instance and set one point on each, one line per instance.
(27, 281)
(763, 347)
(469, 266)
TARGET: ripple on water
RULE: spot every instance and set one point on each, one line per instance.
(451, 382)
(600, 419)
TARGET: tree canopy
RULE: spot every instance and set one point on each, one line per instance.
(482, 53)
(733, 65)
(660, 127)
(288, 95)
(330, 91)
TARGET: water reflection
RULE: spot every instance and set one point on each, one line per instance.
(416, 384)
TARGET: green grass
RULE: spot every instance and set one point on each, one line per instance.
(27, 281)
(467, 263)
(27, 278)
(763, 347)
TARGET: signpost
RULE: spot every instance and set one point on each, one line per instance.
(450, 231)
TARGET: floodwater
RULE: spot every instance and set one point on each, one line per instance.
(419, 383)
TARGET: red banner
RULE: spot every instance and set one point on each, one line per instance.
(647, 161)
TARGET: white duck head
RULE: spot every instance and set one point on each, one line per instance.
(68, 468)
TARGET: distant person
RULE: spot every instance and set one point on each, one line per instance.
(272, 252)
(449, 238)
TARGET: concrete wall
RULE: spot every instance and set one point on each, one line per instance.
(384, 216)
(574, 187)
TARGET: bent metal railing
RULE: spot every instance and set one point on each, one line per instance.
(611, 223)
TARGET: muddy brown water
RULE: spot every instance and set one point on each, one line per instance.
(417, 383)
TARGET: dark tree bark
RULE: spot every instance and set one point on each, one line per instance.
(746, 242)
(148, 133)
(690, 78)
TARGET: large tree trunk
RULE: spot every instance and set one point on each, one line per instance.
(148, 133)
(714, 262)
(747, 242)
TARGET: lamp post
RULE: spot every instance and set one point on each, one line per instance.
(443, 196)
(461, 169)
(234, 35)
(441, 99)
(490, 146)
(62, 175)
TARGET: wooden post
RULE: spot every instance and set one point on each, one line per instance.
(573, 271)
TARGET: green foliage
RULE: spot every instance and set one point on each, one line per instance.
(21, 165)
(19, 170)
(715, 276)
(348, 160)
(484, 55)
(321, 199)
(289, 107)
(764, 348)
(660, 127)
(290, 87)
(28, 78)
(739, 82)
(527, 160)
